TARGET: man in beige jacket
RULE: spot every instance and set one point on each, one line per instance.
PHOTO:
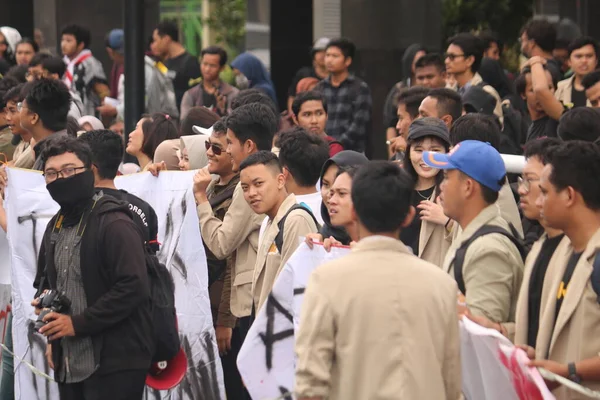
(379, 323)
(583, 59)
(250, 128)
(263, 184)
(490, 270)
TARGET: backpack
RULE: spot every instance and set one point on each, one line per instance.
(160, 94)
(164, 317)
(461, 252)
(280, 225)
(595, 278)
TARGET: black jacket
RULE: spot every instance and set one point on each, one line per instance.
(115, 280)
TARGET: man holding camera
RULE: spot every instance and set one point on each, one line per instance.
(93, 296)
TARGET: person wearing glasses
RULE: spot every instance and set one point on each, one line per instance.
(101, 346)
(463, 59)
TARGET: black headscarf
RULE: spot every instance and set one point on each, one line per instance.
(407, 61)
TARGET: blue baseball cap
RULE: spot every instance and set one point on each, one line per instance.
(476, 159)
(116, 40)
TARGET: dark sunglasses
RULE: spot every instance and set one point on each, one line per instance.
(216, 149)
(452, 57)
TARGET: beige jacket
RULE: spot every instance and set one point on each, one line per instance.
(492, 270)
(379, 323)
(24, 156)
(269, 262)
(238, 232)
(522, 313)
(434, 241)
(563, 91)
(574, 335)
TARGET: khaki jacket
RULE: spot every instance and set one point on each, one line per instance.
(23, 157)
(574, 335)
(492, 270)
(522, 313)
(269, 262)
(434, 241)
(238, 232)
(6, 146)
(563, 91)
(379, 323)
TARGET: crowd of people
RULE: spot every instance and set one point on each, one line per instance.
(438, 232)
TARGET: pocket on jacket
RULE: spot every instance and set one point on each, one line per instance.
(243, 278)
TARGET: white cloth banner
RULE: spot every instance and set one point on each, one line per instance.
(494, 369)
(30, 207)
(266, 360)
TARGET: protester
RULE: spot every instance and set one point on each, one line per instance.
(35, 70)
(115, 47)
(182, 66)
(591, 84)
(463, 60)
(84, 74)
(197, 116)
(343, 159)
(348, 97)
(315, 72)
(309, 111)
(538, 38)
(194, 152)
(582, 123)
(430, 71)
(302, 155)
(444, 104)
(487, 267)
(23, 156)
(251, 73)
(148, 134)
(338, 343)
(428, 233)
(583, 59)
(409, 102)
(25, 50)
(89, 123)
(492, 45)
(570, 203)
(212, 92)
(55, 68)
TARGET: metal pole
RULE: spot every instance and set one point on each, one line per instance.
(134, 67)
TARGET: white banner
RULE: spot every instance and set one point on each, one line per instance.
(266, 360)
(29, 208)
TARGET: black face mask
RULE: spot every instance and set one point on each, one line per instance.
(72, 191)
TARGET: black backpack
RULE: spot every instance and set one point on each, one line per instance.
(459, 258)
(280, 225)
(164, 317)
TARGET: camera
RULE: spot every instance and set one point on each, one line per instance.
(51, 300)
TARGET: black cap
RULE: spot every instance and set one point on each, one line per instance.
(477, 100)
(428, 126)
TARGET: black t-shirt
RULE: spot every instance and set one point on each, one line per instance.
(543, 127)
(182, 69)
(564, 284)
(554, 67)
(143, 213)
(536, 284)
(410, 235)
(578, 97)
(209, 100)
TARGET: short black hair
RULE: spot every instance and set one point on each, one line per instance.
(58, 145)
(489, 37)
(490, 196)
(580, 123)
(6, 85)
(216, 50)
(13, 94)
(431, 60)
(254, 121)
(412, 99)
(303, 154)
(54, 65)
(540, 148)
(521, 81)
(263, 157)
(448, 102)
(107, 151)
(382, 194)
(169, 28)
(583, 41)
(347, 48)
(577, 164)
(81, 34)
(157, 129)
(542, 31)
(39, 58)
(470, 45)
(311, 95)
(250, 96)
(219, 128)
(561, 44)
(476, 126)
(29, 41)
(51, 100)
(200, 116)
(18, 72)
(591, 79)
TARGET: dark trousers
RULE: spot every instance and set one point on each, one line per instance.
(234, 388)
(121, 385)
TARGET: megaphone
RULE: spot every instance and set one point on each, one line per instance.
(165, 375)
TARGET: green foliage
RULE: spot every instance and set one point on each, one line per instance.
(227, 21)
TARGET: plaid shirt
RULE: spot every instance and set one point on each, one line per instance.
(349, 111)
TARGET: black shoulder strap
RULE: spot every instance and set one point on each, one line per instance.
(595, 278)
(459, 258)
(280, 225)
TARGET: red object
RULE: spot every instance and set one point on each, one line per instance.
(334, 146)
(166, 375)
